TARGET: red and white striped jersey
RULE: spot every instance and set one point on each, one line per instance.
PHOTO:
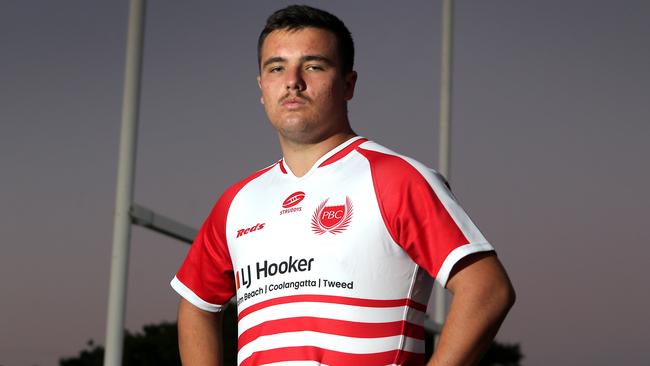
(334, 267)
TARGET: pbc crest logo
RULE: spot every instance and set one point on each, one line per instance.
(333, 219)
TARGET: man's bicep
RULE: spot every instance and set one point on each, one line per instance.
(481, 269)
(199, 335)
(186, 307)
(206, 277)
(421, 214)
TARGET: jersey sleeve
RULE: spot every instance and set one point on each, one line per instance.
(422, 215)
(206, 276)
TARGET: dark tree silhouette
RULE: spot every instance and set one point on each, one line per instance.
(497, 355)
(157, 345)
(502, 355)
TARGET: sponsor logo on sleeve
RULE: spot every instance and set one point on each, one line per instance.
(332, 219)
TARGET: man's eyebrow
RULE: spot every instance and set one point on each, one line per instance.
(276, 59)
(273, 60)
(317, 58)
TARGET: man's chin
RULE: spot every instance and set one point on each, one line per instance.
(305, 136)
(301, 131)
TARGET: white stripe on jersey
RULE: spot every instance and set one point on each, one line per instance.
(329, 341)
(345, 312)
(457, 254)
(190, 296)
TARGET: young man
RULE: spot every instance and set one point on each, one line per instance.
(332, 251)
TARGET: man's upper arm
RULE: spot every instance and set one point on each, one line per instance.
(199, 335)
(205, 278)
(421, 214)
(480, 271)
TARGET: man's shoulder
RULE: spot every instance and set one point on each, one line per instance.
(229, 194)
(389, 165)
(251, 177)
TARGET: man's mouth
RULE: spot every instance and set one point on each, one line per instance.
(293, 102)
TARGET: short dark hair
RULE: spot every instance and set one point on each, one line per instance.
(297, 17)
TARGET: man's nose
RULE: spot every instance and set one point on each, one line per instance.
(295, 80)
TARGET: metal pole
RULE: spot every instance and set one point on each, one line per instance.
(444, 147)
(145, 217)
(124, 192)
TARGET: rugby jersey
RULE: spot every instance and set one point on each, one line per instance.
(334, 267)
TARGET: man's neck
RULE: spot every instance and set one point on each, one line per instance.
(301, 157)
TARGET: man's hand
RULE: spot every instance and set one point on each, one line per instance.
(199, 335)
(483, 295)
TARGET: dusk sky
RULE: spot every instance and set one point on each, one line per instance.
(551, 122)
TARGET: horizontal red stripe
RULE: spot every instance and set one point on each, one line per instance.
(331, 326)
(371, 303)
(333, 358)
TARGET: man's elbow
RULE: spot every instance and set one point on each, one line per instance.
(505, 295)
(501, 287)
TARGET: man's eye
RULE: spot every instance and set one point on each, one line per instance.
(314, 67)
(275, 69)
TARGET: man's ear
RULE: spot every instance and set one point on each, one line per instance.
(259, 84)
(350, 81)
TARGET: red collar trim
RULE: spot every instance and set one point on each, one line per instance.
(337, 156)
(282, 168)
(343, 152)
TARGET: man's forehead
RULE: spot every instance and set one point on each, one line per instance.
(299, 42)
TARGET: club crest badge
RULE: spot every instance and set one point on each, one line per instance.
(333, 219)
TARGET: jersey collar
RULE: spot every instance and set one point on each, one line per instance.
(330, 157)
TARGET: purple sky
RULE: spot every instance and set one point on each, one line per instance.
(550, 147)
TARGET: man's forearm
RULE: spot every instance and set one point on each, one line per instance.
(199, 335)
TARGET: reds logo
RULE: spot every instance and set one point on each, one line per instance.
(334, 219)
